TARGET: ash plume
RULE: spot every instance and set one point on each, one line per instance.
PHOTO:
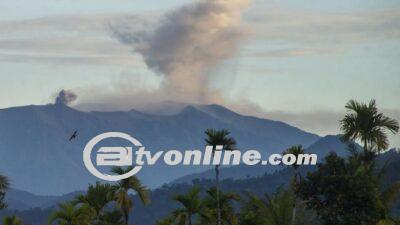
(188, 45)
(66, 97)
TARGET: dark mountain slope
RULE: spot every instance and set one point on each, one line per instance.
(36, 154)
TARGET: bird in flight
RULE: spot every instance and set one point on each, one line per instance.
(74, 135)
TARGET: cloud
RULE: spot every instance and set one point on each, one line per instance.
(284, 24)
(188, 44)
(291, 52)
(87, 59)
(66, 97)
(64, 39)
(172, 45)
(292, 33)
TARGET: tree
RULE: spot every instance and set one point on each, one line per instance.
(228, 215)
(113, 217)
(215, 138)
(343, 193)
(170, 220)
(275, 209)
(3, 187)
(388, 222)
(348, 191)
(191, 205)
(97, 197)
(70, 214)
(366, 124)
(120, 191)
(389, 198)
(12, 220)
(295, 150)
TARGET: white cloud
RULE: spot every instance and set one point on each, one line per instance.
(298, 32)
(64, 39)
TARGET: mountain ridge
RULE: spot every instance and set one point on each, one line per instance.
(36, 137)
(323, 146)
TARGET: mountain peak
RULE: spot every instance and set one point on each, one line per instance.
(191, 110)
(217, 110)
(166, 108)
(329, 143)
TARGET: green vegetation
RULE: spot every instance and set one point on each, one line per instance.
(97, 197)
(366, 124)
(120, 192)
(295, 150)
(348, 191)
(69, 213)
(215, 138)
(12, 220)
(275, 209)
(8, 220)
(191, 206)
(91, 208)
(197, 210)
(339, 191)
(114, 217)
(228, 215)
(3, 187)
(342, 192)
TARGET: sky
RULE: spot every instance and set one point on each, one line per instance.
(298, 61)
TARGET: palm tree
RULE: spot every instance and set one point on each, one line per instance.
(113, 217)
(295, 150)
(366, 124)
(271, 210)
(168, 221)
(70, 214)
(228, 215)
(278, 207)
(3, 187)
(120, 191)
(12, 220)
(97, 197)
(215, 138)
(192, 205)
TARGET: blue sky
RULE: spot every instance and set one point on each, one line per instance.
(301, 62)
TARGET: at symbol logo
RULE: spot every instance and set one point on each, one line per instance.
(111, 156)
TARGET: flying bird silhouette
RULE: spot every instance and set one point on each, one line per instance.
(74, 135)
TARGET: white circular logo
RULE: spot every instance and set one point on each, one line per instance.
(92, 169)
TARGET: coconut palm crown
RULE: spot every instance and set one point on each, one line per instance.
(366, 124)
(120, 191)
